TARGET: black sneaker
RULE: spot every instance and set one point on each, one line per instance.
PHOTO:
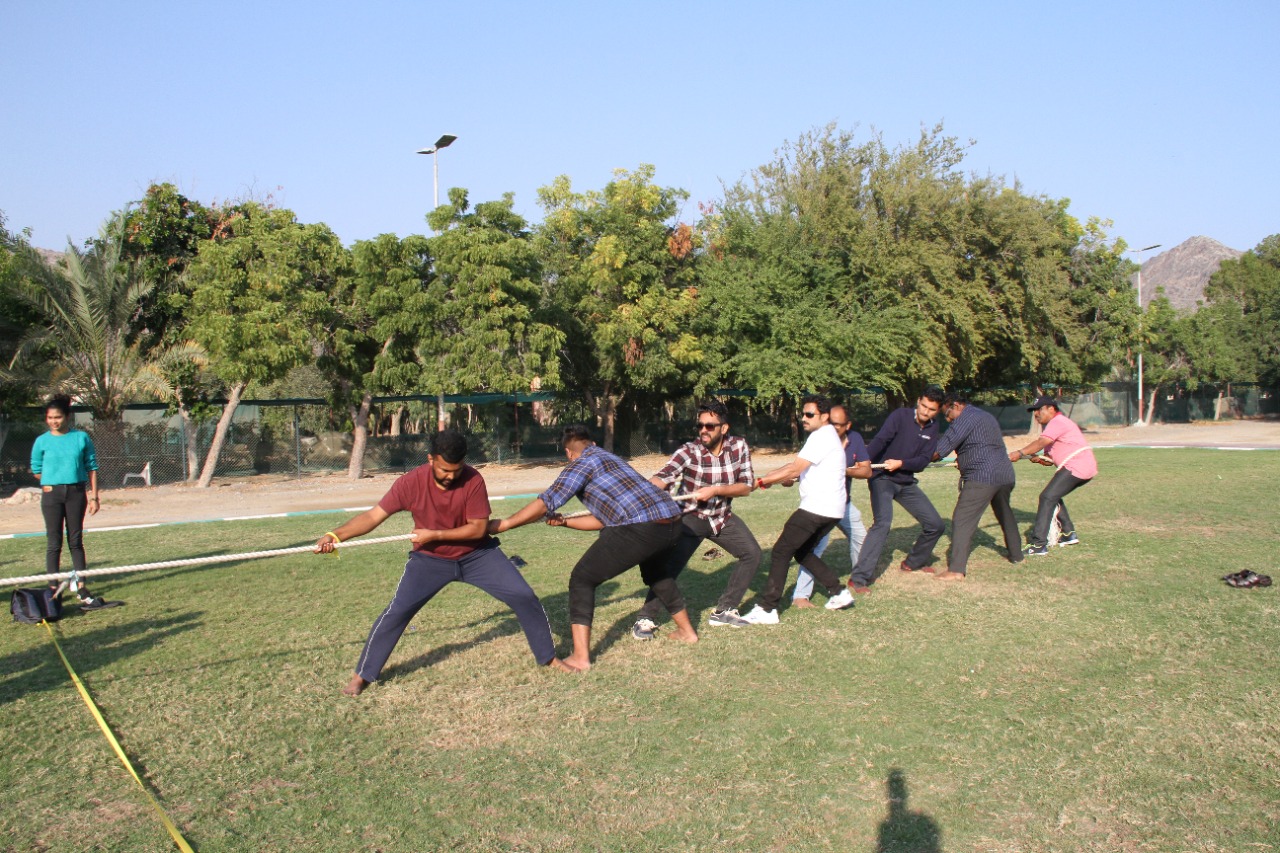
(93, 602)
(1036, 551)
(643, 629)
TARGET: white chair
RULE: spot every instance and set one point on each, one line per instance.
(144, 475)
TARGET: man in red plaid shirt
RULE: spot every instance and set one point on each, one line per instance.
(716, 469)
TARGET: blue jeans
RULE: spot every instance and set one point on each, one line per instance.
(883, 494)
(853, 529)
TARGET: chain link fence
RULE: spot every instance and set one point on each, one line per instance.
(301, 437)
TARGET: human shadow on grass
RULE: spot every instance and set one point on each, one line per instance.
(904, 830)
(39, 668)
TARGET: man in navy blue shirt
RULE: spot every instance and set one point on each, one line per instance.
(903, 446)
(986, 478)
(639, 524)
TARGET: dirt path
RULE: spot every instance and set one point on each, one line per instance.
(264, 495)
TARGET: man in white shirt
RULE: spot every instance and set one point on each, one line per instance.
(820, 468)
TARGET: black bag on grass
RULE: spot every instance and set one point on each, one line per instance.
(33, 606)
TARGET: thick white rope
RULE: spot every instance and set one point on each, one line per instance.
(197, 561)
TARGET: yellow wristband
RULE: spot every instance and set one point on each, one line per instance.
(334, 535)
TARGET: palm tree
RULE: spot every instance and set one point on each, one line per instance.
(87, 308)
(81, 346)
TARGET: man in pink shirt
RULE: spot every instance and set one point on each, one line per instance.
(1066, 450)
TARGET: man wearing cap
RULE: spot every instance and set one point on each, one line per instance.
(986, 479)
(1066, 449)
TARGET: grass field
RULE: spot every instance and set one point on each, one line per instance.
(1112, 696)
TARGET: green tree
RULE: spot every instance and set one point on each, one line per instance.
(1167, 341)
(890, 267)
(620, 283)
(1247, 290)
(254, 302)
(86, 309)
(17, 317)
(164, 233)
(369, 332)
(485, 332)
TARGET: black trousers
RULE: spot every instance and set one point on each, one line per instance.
(647, 545)
(64, 506)
(1060, 485)
(973, 501)
(735, 538)
(800, 535)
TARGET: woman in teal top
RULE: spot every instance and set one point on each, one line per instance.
(64, 462)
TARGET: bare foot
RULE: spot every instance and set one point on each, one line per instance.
(949, 576)
(355, 686)
(685, 635)
(576, 664)
(556, 663)
(803, 602)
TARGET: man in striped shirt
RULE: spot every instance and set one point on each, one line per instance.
(715, 469)
(986, 478)
(639, 524)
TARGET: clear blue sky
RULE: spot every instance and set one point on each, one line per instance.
(1162, 116)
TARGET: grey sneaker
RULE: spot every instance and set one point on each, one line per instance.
(727, 617)
(643, 629)
(1068, 539)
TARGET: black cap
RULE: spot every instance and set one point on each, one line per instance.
(1041, 402)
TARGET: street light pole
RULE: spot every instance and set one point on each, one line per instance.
(1141, 421)
(443, 142)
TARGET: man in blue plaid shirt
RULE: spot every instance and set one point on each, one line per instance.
(715, 469)
(639, 524)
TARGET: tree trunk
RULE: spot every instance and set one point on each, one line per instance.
(220, 434)
(605, 408)
(189, 444)
(441, 421)
(360, 436)
(1151, 405)
(397, 419)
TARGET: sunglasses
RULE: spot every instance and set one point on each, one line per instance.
(708, 425)
(809, 414)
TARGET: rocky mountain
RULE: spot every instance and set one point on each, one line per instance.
(1184, 270)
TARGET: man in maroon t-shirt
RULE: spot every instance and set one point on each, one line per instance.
(450, 508)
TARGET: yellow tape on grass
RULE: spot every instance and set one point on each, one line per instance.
(115, 744)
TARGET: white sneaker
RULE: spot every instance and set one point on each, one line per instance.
(841, 601)
(760, 616)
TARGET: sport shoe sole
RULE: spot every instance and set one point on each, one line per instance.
(643, 632)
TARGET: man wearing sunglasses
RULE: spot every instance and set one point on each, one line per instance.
(857, 467)
(903, 446)
(821, 470)
(715, 469)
